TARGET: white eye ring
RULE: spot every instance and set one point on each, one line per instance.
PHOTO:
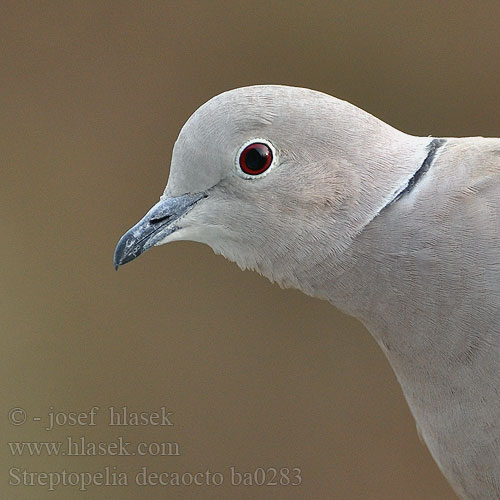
(255, 158)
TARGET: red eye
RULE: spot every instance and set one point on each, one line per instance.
(256, 158)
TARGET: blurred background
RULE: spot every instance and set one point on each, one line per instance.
(92, 96)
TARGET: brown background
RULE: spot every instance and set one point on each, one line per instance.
(92, 96)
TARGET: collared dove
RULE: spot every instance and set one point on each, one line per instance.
(402, 232)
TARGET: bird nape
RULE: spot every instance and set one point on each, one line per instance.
(402, 232)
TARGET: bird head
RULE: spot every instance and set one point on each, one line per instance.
(275, 178)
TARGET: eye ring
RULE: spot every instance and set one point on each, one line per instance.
(255, 158)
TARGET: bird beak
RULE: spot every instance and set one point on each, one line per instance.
(156, 225)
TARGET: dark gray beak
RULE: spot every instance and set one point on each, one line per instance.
(157, 224)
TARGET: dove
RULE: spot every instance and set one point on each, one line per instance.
(399, 231)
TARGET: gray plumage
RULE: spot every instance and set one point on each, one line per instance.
(399, 231)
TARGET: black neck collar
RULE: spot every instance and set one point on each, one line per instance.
(432, 149)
